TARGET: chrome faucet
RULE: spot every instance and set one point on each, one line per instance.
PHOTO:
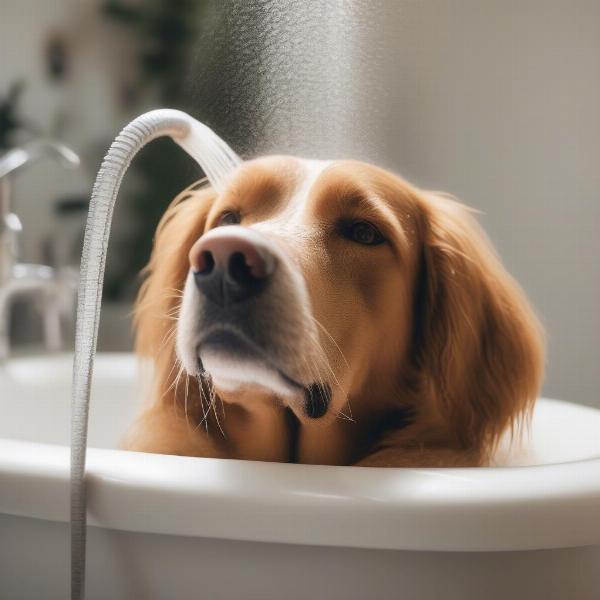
(53, 290)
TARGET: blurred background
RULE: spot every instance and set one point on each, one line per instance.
(496, 102)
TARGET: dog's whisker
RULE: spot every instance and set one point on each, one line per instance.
(175, 365)
(334, 377)
(222, 407)
(349, 407)
(185, 402)
(173, 384)
(212, 403)
(167, 338)
(144, 304)
(214, 407)
(176, 292)
(342, 415)
(326, 332)
(327, 364)
(177, 381)
(322, 383)
(209, 402)
(205, 411)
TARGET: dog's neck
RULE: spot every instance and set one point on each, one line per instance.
(257, 426)
(348, 437)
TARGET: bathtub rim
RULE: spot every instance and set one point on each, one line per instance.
(452, 509)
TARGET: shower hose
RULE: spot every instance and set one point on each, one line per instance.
(217, 161)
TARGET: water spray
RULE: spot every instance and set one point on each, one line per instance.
(218, 161)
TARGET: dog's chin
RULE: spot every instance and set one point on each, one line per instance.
(230, 373)
(235, 362)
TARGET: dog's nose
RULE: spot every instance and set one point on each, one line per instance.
(231, 264)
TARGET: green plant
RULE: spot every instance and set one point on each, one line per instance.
(164, 31)
(10, 121)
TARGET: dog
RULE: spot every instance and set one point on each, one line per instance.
(329, 312)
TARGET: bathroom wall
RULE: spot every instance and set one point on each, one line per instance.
(496, 102)
(82, 109)
(499, 104)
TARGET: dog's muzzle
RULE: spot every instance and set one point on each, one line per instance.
(245, 318)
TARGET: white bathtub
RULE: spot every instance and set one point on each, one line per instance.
(177, 528)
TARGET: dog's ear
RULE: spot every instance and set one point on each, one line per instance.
(160, 294)
(478, 345)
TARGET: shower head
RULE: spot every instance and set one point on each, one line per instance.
(16, 158)
(214, 156)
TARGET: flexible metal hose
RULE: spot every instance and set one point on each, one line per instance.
(217, 161)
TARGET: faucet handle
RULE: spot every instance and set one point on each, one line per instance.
(12, 223)
(14, 159)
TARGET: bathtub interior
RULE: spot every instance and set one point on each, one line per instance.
(35, 404)
(35, 398)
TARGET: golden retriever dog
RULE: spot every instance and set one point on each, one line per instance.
(329, 312)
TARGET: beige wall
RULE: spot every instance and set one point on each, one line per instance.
(86, 101)
(498, 102)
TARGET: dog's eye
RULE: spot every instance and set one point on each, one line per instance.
(229, 218)
(361, 232)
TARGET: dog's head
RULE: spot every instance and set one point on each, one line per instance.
(325, 284)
